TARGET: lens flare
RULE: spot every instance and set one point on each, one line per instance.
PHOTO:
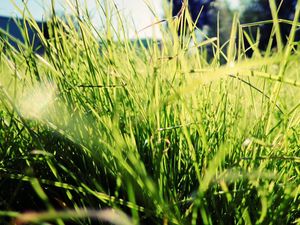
(36, 100)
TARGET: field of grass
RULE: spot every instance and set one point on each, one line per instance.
(114, 132)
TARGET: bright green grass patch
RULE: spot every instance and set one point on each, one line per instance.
(158, 133)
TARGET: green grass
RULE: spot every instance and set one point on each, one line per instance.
(160, 135)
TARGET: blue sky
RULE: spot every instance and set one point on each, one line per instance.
(136, 9)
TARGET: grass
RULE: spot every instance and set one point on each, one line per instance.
(124, 134)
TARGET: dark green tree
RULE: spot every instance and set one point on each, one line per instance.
(259, 10)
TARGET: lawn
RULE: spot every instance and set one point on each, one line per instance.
(101, 129)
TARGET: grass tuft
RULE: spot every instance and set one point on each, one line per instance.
(101, 127)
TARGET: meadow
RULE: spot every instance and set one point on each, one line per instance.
(101, 129)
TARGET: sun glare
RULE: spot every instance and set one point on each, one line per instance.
(36, 100)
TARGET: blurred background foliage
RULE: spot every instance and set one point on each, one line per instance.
(216, 17)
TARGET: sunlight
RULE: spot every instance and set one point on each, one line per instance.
(36, 100)
(234, 4)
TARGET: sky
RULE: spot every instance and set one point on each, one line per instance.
(136, 9)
